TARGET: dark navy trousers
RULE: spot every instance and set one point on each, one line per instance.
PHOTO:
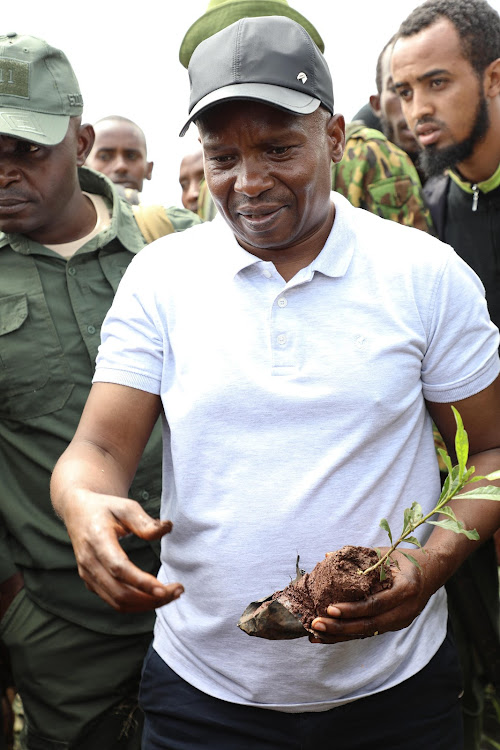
(422, 712)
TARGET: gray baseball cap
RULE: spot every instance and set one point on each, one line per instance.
(269, 59)
(38, 90)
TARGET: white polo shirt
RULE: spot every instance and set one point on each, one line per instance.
(295, 421)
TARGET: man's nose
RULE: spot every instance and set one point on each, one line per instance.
(8, 174)
(120, 165)
(193, 191)
(418, 108)
(252, 179)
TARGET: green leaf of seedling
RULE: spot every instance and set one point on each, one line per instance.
(482, 493)
(406, 522)
(411, 559)
(445, 490)
(469, 474)
(394, 562)
(409, 519)
(493, 476)
(457, 527)
(452, 484)
(446, 460)
(461, 442)
(383, 574)
(379, 552)
(413, 540)
(448, 512)
(384, 525)
(416, 513)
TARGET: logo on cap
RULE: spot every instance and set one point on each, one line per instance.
(14, 78)
(302, 77)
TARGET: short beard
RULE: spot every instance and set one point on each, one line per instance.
(433, 160)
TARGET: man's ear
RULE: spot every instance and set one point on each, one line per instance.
(149, 170)
(336, 133)
(375, 104)
(86, 138)
(492, 79)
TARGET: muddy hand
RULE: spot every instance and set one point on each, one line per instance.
(392, 609)
(95, 524)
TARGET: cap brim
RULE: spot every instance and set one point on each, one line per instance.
(36, 127)
(276, 96)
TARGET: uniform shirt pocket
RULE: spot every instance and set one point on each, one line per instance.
(33, 376)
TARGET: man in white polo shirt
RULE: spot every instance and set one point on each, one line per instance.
(297, 349)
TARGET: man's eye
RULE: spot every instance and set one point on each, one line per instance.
(404, 93)
(103, 156)
(221, 159)
(28, 148)
(132, 156)
(279, 150)
(436, 83)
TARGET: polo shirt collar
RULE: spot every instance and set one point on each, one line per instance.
(333, 260)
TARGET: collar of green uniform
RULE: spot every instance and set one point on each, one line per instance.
(358, 129)
(485, 187)
(123, 225)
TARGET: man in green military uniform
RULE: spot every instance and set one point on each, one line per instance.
(66, 240)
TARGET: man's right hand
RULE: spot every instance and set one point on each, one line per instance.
(95, 522)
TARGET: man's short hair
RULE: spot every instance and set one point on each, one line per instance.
(120, 118)
(477, 24)
(378, 74)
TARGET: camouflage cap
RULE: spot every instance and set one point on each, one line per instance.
(38, 90)
(222, 13)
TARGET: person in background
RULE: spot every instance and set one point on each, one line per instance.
(386, 105)
(120, 152)
(296, 349)
(446, 71)
(66, 239)
(191, 175)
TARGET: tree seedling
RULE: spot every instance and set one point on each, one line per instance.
(458, 477)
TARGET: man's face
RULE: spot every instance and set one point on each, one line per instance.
(441, 94)
(36, 182)
(190, 175)
(394, 125)
(119, 152)
(269, 171)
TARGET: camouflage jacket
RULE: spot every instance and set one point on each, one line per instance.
(377, 175)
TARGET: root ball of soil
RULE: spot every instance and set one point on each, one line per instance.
(288, 613)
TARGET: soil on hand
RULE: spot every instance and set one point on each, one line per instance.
(289, 613)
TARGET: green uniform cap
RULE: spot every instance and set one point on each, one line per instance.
(38, 90)
(222, 13)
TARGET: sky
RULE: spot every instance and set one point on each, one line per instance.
(125, 56)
